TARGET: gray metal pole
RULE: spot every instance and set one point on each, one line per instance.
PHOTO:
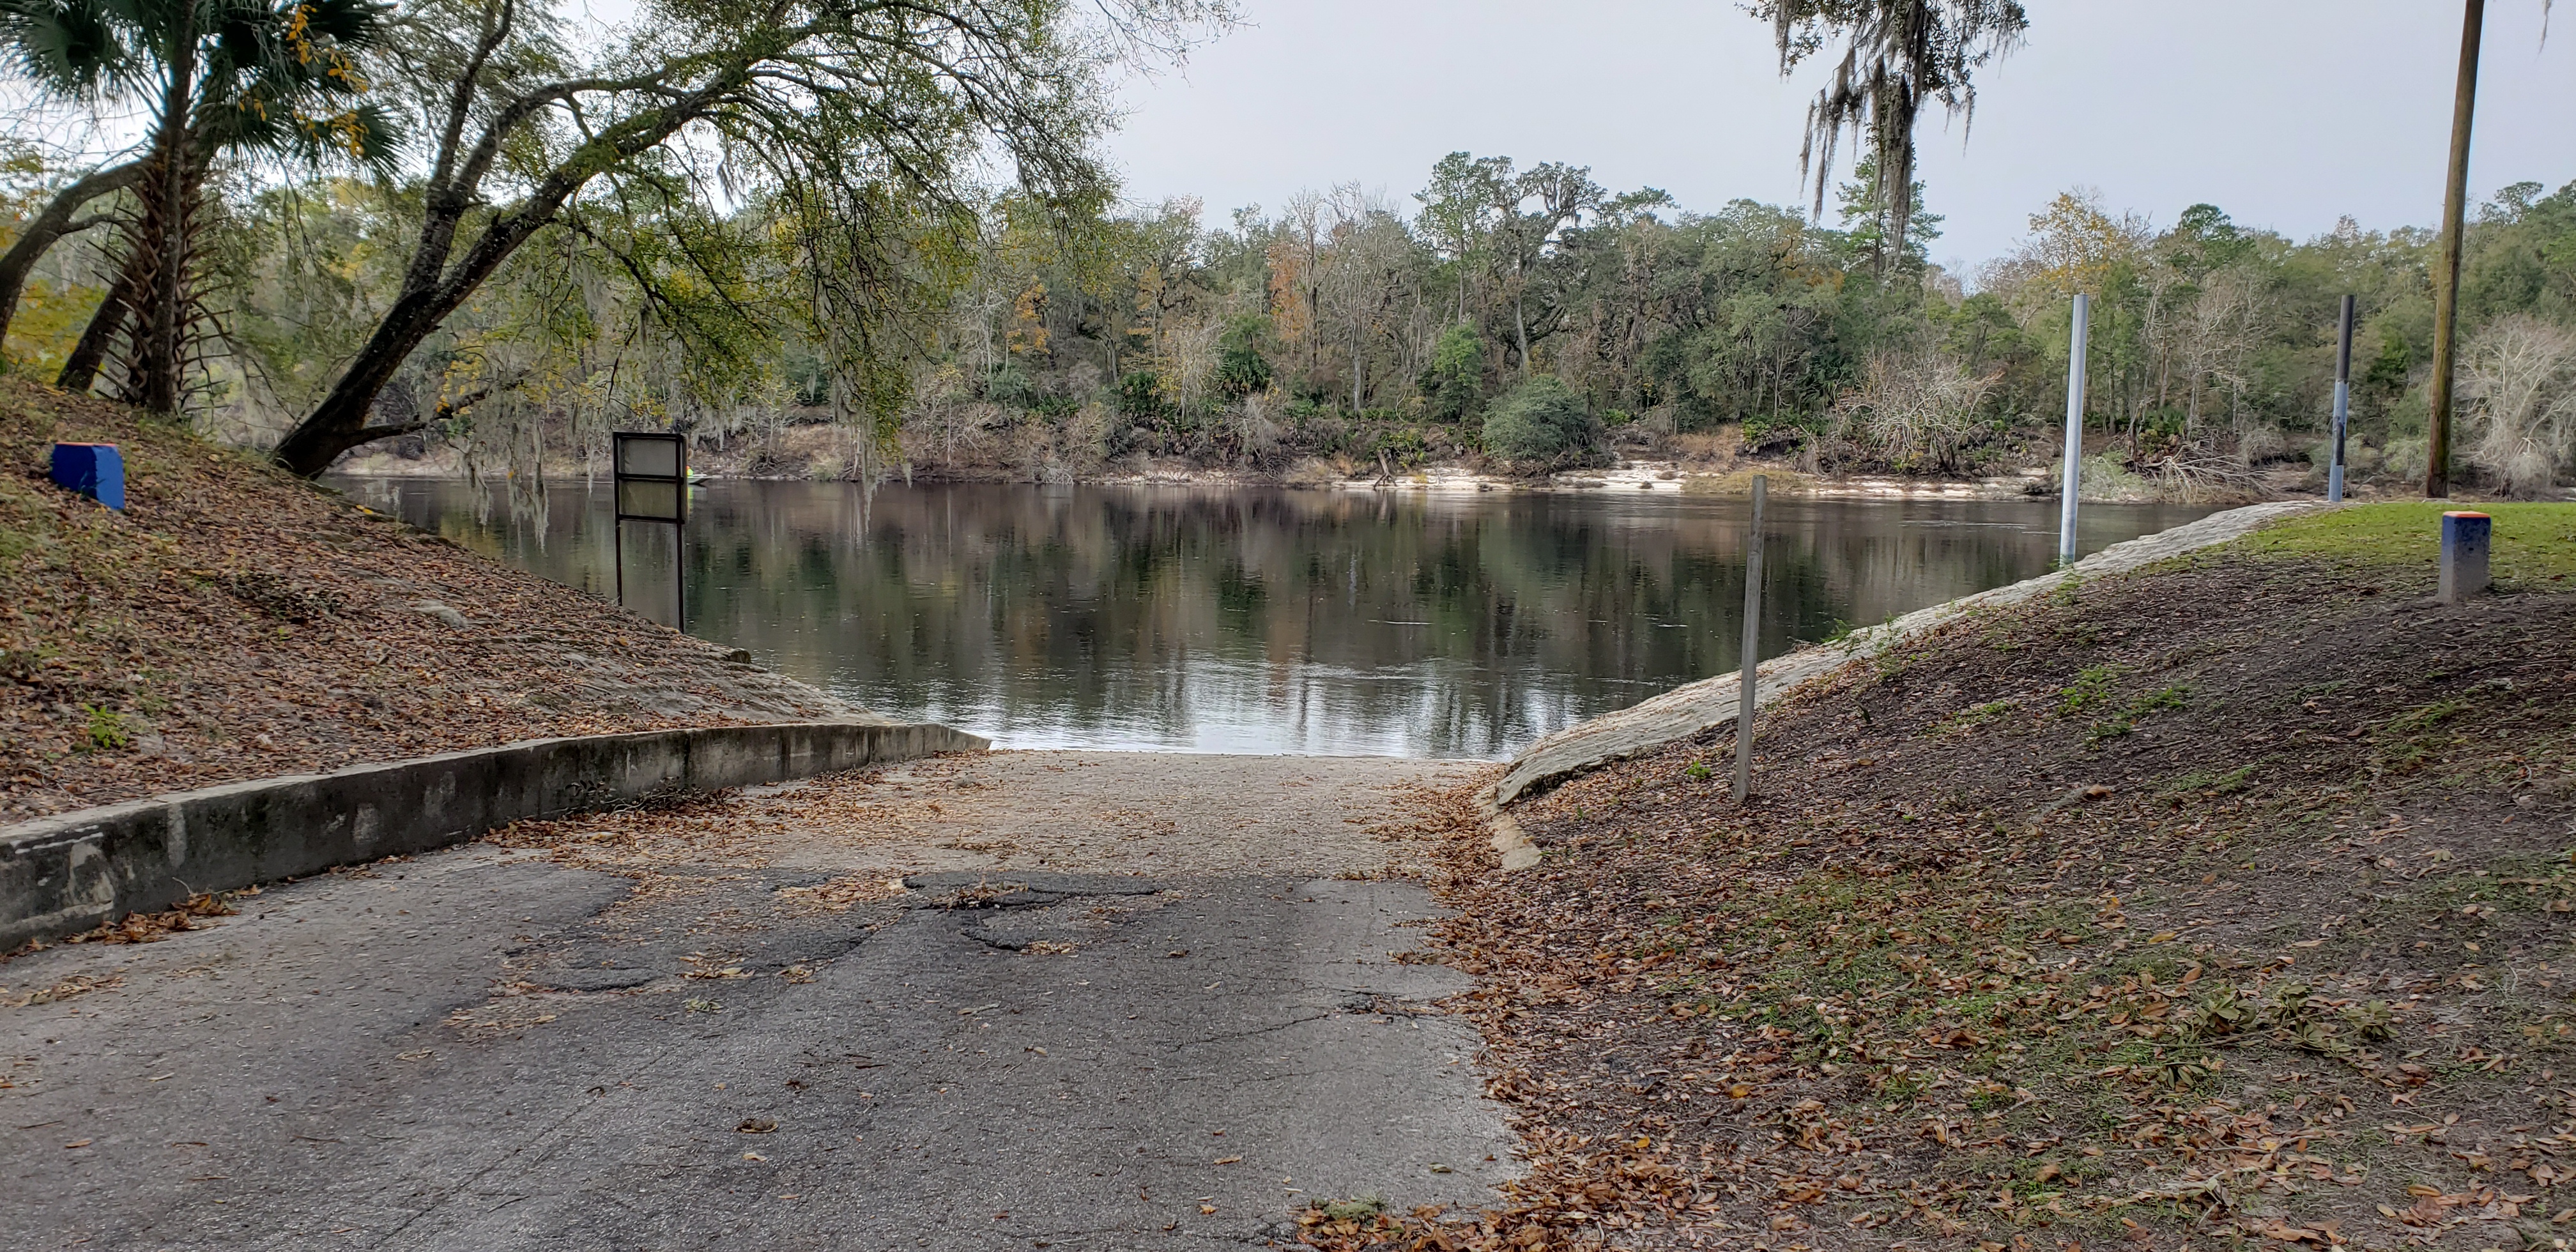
(1746, 679)
(2074, 427)
(2342, 402)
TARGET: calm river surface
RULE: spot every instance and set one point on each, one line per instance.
(1256, 620)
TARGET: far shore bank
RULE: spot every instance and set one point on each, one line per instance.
(1678, 477)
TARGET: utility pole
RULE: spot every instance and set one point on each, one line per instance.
(2446, 281)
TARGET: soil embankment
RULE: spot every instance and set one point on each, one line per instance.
(2224, 901)
(235, 622)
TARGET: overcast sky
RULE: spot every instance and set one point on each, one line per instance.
(2286, 113)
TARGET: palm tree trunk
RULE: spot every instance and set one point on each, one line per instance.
(164, 318)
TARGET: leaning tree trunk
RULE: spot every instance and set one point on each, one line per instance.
(81, 370)
(50, 226)
(432, 289)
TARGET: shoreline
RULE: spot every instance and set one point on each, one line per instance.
(1659, 477)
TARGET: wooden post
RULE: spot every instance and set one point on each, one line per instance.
(2446, 279)
(1746, 680)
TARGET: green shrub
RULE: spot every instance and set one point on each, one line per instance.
(1452, 385)
(1540, 420)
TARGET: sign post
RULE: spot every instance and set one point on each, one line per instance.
(1747, 677)
(651, 471)
(2074, 429)
(2342, 402)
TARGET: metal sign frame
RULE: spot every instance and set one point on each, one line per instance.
(657, 464)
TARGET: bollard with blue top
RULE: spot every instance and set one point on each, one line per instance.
(2464, 555)
(96, 470)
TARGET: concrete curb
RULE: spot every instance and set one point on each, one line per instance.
(73, 871)
(1687, 710)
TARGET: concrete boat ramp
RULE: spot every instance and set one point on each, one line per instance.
(1122, 1001)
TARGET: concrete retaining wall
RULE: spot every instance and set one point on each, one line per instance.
(67, 873)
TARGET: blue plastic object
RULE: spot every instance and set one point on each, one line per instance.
(96, 470)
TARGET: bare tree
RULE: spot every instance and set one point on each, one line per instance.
(2522, 376)
(2213, 337)
(1916, 407)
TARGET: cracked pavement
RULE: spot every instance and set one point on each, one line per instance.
(724, 1027)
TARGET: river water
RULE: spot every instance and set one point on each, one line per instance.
(1241, 619)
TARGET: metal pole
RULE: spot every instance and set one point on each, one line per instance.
(617, 553)
(1746, 680)
(2074, 427)
(680, 543)
(2342, 402)
(2465, 537)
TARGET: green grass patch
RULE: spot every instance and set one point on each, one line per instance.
(2128, 718)
(1969, 719)
(2091, 688)
(2209, 782)
(2411, 738)
(2534, 544)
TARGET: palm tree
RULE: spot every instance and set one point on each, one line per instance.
(248, 77)
(1898, 55)
(70, 54)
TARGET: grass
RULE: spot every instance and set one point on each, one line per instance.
(2091, 687)
(2209, 782)
(1969, 719)
(2534, 544)
(2145, 705)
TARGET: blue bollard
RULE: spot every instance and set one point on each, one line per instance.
(96, 470)
(2464, 555)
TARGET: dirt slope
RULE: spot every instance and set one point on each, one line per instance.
(235, 622)
(2220, 905)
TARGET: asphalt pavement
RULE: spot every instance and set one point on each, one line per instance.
(497, 1047)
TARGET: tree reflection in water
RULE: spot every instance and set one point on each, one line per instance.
(1257, 620)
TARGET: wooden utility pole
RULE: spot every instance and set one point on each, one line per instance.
(2446, 280)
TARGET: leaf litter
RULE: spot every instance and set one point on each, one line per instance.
(1990, 980)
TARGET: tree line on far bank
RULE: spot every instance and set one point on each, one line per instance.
(740, 229)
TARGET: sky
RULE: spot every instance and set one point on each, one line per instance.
(2286, 113)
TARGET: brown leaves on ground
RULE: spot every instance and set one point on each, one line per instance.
(2215, 907)
(69, 988)
(188, 914)
(236, 622)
